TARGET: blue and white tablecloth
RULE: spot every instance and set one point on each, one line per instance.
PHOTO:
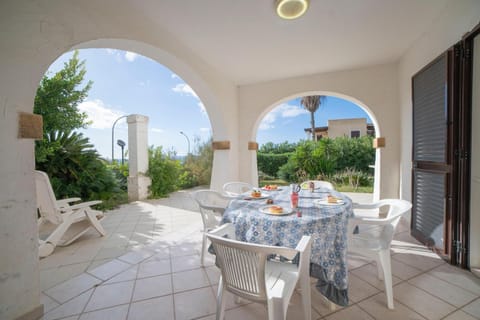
(326, 224)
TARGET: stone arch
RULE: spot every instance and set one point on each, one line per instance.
(360, 104)
(219, 119)
(163, 57)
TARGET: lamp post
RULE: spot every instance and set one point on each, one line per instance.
(121, 143)
(113, 135)
(188, 141)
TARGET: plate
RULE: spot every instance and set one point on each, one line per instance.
(278, 189)
(324, 202)
(266, 211)
(248, 196)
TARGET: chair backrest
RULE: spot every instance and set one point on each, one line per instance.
(242, 265)
(46, 201)
(236, 188)
(397, 208)
(211, 203)
(389, 221)
(318, 184)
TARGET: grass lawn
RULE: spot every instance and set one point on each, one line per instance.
(341, 188)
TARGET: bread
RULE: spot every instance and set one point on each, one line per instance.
(332, 199)
(256, 194)
(275, 209)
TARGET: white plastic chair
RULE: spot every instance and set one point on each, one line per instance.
(246, 272)
(64, 223)
(236, 188)
(374, 235)
(318, 184)
(212, 205)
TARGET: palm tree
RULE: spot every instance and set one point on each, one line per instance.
(311, 104)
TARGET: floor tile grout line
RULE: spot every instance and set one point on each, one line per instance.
(133, 289)
(474, 293)
(443, 300)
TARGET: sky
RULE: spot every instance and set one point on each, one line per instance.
(127, 83)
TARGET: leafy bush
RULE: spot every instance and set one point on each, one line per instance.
(356, 154)
(277, 148)
(270, 163)
(75, 169)
(121, 174)
(352, 178)
(197, 168)
(164, 171)
(341, 160)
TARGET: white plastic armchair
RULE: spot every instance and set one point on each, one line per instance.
(247, 273)
(61, 222)
(318, 184)
(212, 204)
(374, 235)
(236, 188)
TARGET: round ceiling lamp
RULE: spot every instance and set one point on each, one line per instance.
(291, 9)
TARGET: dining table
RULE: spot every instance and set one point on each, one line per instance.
(325, 222)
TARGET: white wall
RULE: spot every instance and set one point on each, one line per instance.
(344, 127)
(33, 35)
(459, 17)
(378, 96)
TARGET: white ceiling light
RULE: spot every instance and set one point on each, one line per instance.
(291, 9)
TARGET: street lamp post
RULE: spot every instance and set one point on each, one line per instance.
(188, 141)
(121, 143)
(113, 135)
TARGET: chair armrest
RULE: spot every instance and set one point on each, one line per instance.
(357, 205)
(373, 221)
(67, 201)
(84, 205)
(214, 209)
(226, 229)
(303, 244)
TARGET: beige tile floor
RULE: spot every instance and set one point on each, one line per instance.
(148, 267)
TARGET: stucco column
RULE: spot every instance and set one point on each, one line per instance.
(138, 182)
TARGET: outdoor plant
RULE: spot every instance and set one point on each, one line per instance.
(163, 170)
(74, 167)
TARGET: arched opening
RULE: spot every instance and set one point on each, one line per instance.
(106, 114)
(289, 107)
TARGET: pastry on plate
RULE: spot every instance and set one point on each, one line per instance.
(256, 194)
(332, 199)
(271, 187)
(275, 209)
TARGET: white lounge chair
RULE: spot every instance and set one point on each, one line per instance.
(247, 273)
(61, 223)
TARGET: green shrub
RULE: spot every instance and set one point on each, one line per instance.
(270, 163)
(164, 171)
(75, 169)
(345, 158)
(197, 168)
(121, 174)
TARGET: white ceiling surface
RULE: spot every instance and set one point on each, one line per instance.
(246, 41)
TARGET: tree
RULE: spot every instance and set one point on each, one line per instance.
(58, 97)
(74, 167)
(311, 104)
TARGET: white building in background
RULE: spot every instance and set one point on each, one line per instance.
(353, 128)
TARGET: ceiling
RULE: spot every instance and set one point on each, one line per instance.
(245, 40)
